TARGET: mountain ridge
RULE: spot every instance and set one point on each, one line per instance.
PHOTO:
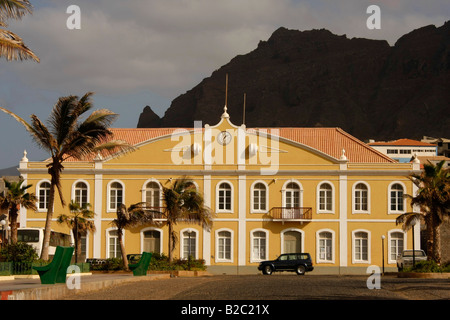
(366, 87)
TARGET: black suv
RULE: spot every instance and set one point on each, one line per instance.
(298, 262)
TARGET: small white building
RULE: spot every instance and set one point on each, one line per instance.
(403, 150)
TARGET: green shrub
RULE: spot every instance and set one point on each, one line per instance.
(159, 262)
(18, 252)
(428, 266)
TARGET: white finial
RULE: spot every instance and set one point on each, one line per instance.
(98, 157)
(415, 160)
(225, 113)
(343, 157)
(24, 159)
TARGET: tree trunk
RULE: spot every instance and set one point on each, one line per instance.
(48, 222)
(437, 244)
(13, 214)
(171, 242)
(122, 249)
(430, 237)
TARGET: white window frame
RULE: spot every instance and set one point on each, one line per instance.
(354, 259)
(333, 247)
(354, 209)
(266, 247)
(285, 189)
(217, 254)
(38, 190)
(252, 197)
(319, 189)
(108, 237)
(145, 190)
(182, 240)
(389, 245)
(74, 190)
(218, 189)
(392, 184)
(108, 195)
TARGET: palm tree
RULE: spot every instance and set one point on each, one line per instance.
(80, 222)
(130, 217)
(15, 196)
(11, 45)
(433, 199)
(184, 204)
(69, 136)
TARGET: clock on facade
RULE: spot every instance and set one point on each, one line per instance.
(224, 137)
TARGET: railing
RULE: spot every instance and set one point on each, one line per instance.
(26, 268)
(156, 212)
(291, 214)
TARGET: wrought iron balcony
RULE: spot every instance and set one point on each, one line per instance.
(285, 214)
(156, 212)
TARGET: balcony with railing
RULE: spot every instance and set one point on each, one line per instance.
(292, 214)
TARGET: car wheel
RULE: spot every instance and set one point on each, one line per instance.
(267, 270)
(301, 270)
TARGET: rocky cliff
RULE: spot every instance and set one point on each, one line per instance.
(316, 78)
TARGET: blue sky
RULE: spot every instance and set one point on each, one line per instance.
(147, 52)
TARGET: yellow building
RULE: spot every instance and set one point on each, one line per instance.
(272, 190)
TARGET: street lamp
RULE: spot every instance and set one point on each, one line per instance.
(382, 250)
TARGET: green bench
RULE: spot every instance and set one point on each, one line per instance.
(140, 268)
(56, 270)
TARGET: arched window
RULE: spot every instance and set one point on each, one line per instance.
(43, 194)
(189, 244)
(224, 197)
(325, 244)
(80, 193)
(113, 245)
(396, 245)
(259, 197)
(153, 194)
(259, 246)
(325, 197)
(396, 200)
(361, 247)
(115, 195)
(292, 195)
(361, 198)
(224, 245)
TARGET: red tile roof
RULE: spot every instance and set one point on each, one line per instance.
(330, 141)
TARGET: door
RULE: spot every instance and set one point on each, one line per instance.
(292, 242)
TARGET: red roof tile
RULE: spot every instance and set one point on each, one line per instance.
(330, 141)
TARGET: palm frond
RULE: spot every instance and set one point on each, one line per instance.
(12, 47)
(14, 9)
(61, 121)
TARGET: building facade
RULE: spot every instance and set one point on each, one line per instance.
(403, 150)
(271, 190)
